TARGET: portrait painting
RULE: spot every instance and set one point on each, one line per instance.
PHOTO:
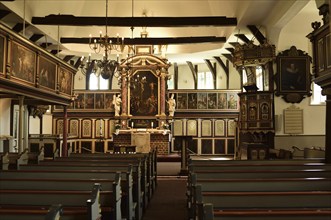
(202, 100)
(2, 54)
(192, 100)
(182, 100)
(64, 81)
(23, 63)
(46, 72)
(144, 97)
(212, 100)
(293, 74)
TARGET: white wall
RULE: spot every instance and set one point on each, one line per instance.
(294, 34)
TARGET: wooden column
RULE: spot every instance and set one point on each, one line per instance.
(65, 132)
(164, 75)
(124, 92)
(328, 130)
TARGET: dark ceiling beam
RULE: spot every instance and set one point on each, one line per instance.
(194, 71)
(228, 56)
(71, 20)
(150, 41)
(230, 49)
(45, 45)
(68, 57)
(212, 68)
(54, 52)
(225, 67)
(4, 13)
(19, 27)
(36, 37)
(257, 34)
(243, 38)
(234, 44)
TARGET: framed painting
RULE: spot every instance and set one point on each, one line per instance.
(23, 63)
(182, 101)
(79, 102)
(99, 102)
(2, 55)
(46, 73)
(192, 100)
(89, 100)
(64, 81)
(222, 100)
(212, 101)
(293, 75)
(109, 102)
(232, 99)
(202, 100)
(144, 97)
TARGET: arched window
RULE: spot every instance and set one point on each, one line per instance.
(317, 98)
(205, 80)
(96, 82)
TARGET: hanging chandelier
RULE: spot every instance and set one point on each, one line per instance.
(104, 67)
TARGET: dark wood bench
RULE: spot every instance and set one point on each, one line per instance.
(53, 213)
(83, 203)
(209, 213)
(14, 160)
(72, 179)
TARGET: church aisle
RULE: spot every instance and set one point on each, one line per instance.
(169, 200)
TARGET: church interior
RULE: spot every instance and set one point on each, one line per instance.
(140, 110)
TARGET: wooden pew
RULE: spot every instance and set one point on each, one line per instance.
(83, 204)
(14, 160)
(32, 183)
(209, 213)
(53, 213)
(78, 180)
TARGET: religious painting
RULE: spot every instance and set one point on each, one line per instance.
(202, 100)
(89, 101)
(182, 101)
(79, 102)
(109, 102)
(99, 101)
(192, 100)
(2, 55)
(221, 100)
(232, 100)
(293, 75)
(144, 89)
(212, 100)
(64, 81)
(47, 73)
(23, 63)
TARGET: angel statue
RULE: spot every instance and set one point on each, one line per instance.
(117, 104)
(172, 105)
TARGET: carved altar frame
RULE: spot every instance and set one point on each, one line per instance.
(128, 69)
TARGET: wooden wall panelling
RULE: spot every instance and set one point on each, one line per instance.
(206, 128)
(192, 127)
(86, 128)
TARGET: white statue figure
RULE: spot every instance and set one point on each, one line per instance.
(172, 105)
(117, 104)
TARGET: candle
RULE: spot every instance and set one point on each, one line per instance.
(152, 124)
(132, 124)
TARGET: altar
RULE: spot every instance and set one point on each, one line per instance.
(144, 140)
